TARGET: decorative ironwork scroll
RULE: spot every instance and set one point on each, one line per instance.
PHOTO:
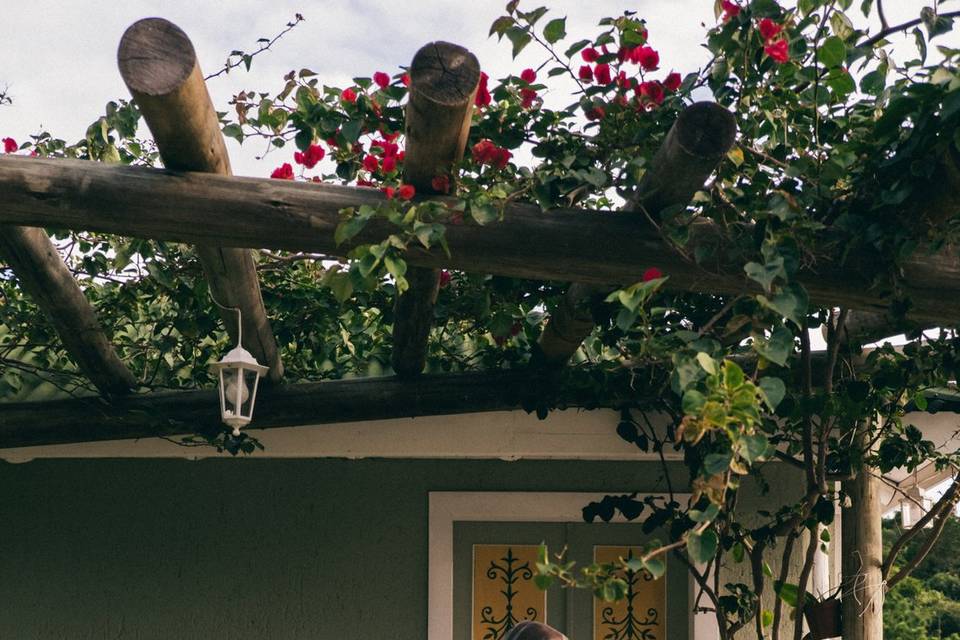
(639, 616)
(504, 593)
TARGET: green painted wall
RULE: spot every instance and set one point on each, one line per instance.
(251, 548)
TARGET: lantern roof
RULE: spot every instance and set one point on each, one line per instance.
(238, 356)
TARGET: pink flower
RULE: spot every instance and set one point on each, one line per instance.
(283, 172)
(602, 73)
(672, 82)
(646, 57)
(652, 274)
(730, 9)
(310, 157)
(769, 29)
(382, 79)
(444, 278)
(651, 92)
(406, 191)
(483, 95)
(9, 145)
(371, 164)
(589, 54)
(527, 96)
(596, 113)
(528, 75)
(349, 95)
(586, 73)
(779, 51)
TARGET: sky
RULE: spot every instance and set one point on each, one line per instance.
(58, 57)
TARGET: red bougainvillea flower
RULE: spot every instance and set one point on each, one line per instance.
(646, 57)
(769, 29)
(730, 9)
(9, 145)
(382, 79)
(596, 113)
(405, 79)
(502, 158)
(349, 95)
(441, 183)
(779, 51)
(651, 92)
(364, 183)
(602, 73)
(444, 278)
(589, 54)
(310, 157)
(483, 95)
(528, 75)
(652, 274)
(371, 164)
(586, 73)
(482, 151)
(624, 82)
(389, 164)
(672, 82)
(406, 191)
(388, 191)
(527, 96)
(283, 172)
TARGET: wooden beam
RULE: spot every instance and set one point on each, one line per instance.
(695, 144)
(443, 83)
(186, 412)
(593, 247)
(160, 68)
(46, 279)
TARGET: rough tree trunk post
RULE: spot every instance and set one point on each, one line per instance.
(862, 557)
(443, 82)
(693, 147)
(572, 245)
(46, 279)
(161, 70)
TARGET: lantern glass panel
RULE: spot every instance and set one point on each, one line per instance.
(249, 378)
(235, 395)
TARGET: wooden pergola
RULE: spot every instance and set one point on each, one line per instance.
(196, 200)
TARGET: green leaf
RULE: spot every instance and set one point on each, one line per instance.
(755, 447)
(738, 552)
(706, 515)
(773, 391)
(874, 82)
(656, 566)
(832, 52)
(396, 266)
(702, 547)
(304, 138)
(576, 47)
(555, 30)
(733, 375)
(717, 463)
(766, 273)
(234, 131)
(709, 364)
(825, 535)
(766, 618)
(778, 347)
(693, 401)
(519, 37)
(790, 302)
(500, 25)
(787, 592)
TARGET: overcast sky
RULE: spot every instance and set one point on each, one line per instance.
(58, 57)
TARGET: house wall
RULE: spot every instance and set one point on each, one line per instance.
(247, 548)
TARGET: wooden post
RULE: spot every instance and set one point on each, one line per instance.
(161, 70)
(695, 144)
(46, 279)
(443, 82)
(573, 245)
(862, 557)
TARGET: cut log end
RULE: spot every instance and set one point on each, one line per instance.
(706, 130)
(155, 57)
(444, 73)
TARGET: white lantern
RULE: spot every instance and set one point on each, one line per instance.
(239, 374)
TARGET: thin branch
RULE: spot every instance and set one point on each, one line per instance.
(883, 33)
(244, 58)
(883, 18)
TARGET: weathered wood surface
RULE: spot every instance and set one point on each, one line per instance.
(187, 412)
(46, 279)
(443, 83)
(695, 144)
(571, 245)
(160, 68)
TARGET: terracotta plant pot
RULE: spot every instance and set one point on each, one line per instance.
(824, 619)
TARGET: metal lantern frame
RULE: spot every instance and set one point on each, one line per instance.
(237, 363)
